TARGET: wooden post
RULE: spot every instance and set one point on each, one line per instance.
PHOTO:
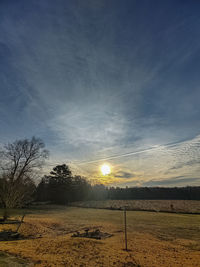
(22, 219)
(125, 230)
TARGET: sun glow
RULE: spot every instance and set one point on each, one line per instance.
(105, 169)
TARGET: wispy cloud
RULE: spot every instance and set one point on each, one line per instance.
(104, 86)
(190, 163)
(156, 164)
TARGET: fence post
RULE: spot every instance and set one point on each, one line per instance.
(22, 219)
(125, 230)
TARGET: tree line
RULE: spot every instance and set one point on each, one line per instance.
(59, 192)
(20, 164)
(182, 193)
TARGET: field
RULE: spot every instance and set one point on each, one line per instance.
(180, 206)
(154, 238)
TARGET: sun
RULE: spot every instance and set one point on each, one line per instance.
(105, 169)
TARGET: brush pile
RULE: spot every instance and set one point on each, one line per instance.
(96, 234)
(8, 235)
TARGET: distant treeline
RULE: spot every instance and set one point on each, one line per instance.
(61, 187)
(184, 193)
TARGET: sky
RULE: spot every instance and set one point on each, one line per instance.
(105, 81)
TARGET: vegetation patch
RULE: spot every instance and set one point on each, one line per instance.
(96, 234)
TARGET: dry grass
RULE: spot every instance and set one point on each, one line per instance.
(180, 206)
(154, 239)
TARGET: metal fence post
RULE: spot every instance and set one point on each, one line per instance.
(125, 229)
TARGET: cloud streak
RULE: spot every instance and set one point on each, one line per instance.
(104, 86)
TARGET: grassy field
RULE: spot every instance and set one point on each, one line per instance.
(180, 206)
(154, 239)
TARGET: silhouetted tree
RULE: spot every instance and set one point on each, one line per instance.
(61, 187)
(81, 189)
(42, 190)
(60, 184)
(19, 161)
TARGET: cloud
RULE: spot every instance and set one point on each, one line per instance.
(124, 174)
(94, 85)
(190, 163)
(93, 125)
(147, 166)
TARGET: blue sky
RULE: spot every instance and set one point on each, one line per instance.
(97, 79)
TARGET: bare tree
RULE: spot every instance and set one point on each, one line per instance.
(20, 160)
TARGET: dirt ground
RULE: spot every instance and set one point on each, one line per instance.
(154, 239)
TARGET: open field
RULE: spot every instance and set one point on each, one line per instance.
(154, 239)
(180, 206)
